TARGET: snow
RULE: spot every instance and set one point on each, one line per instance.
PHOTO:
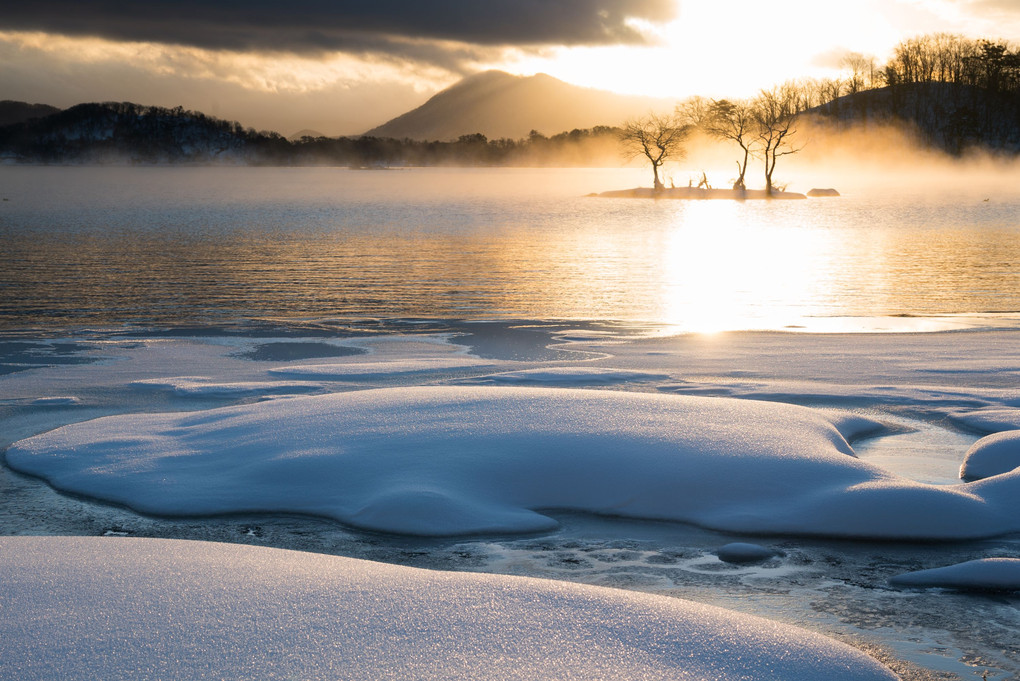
(992, 455)
(743, 552)
(571, 376)
(447, 460)
(798, 478)
(120, 608)
(985, 574)
(341, 371)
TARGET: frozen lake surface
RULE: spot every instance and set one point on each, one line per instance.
(480, 295)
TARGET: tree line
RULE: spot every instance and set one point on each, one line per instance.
(128, 132)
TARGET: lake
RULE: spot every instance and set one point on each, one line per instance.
(88, 246)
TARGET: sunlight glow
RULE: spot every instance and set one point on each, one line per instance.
(742, 272)
(725, 49)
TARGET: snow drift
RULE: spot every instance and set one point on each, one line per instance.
(465, 460)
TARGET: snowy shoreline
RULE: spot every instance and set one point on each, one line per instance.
(552, 410)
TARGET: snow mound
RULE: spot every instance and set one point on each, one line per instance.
(986, 574)
(88, 607)
(741, 552)
(189, 386)
(355, 370)
(571, 376)
(447, 460)
(992, 455)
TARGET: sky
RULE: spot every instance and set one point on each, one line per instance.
(342, 67)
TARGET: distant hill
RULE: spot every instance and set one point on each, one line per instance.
(12, 112)
(497, 104)
(947, 116)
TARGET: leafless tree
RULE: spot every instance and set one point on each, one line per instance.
(659, 137)
(735, 122)
(775, 113)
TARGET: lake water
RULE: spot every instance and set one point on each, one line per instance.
(97, 246)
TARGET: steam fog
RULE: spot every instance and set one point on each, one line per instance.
(872, 157)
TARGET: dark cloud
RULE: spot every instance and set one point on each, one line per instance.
(359, 26)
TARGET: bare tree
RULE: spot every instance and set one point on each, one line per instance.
(659, 137)
(733, 121)
(775, 113)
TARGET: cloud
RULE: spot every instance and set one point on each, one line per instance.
(310, 26)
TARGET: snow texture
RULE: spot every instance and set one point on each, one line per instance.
(986, 574)
(465, 460)
(114, 608)
(571, 376)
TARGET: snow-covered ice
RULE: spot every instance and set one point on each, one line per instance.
(448, 460)
(121, 608)
(992, 455)
(985, 574)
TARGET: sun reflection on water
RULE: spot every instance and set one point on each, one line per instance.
(724, 267)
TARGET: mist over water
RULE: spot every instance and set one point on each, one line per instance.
(86, 246)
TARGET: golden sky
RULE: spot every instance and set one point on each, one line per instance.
(344, 67)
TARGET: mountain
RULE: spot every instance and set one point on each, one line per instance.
(12, 112)
(947, 116)
(497, 104)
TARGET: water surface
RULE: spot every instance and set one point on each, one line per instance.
(87, 246)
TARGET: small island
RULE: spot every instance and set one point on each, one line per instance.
(761, 128)
(697, 193)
